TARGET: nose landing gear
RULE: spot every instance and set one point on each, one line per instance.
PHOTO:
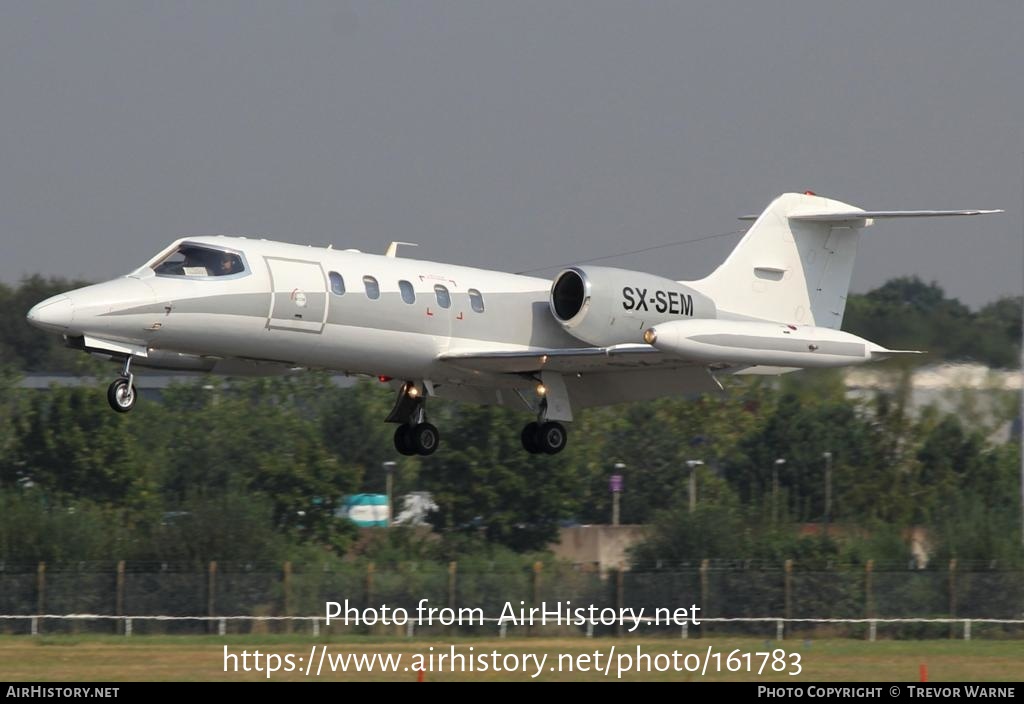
(121, 393)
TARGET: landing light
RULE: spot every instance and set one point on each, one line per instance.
(412, 391)
(541, 389)
(650, 337)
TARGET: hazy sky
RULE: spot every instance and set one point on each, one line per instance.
(512, 134)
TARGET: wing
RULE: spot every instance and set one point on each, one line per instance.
(594, 376)
(565, 361)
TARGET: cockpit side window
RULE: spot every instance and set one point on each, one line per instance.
(192, 261)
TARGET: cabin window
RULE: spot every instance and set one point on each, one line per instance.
(476, 300)
(408, 294)
(337, 283)
(372, 288)
(191, 261)
(443, 298)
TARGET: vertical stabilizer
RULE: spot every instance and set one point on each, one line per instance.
(788, 269)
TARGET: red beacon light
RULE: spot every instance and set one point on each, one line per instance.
(383, 379)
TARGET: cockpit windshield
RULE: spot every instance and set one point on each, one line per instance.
(192, 261)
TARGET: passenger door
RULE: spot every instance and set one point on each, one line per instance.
(298, 295)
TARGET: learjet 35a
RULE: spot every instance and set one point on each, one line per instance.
(592, 336)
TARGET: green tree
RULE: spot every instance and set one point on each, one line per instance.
(70, 444)
(252, 438)
(484, 482)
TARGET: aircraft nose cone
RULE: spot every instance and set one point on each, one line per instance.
(54, 313)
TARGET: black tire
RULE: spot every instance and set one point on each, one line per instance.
(552, 437)
(529, 438)
(403, 443)
(424, 438)
(121, 395)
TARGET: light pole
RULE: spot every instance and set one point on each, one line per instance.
(615, 484)
(389, 468)
(828, 488)
(693, 464)
(775, 490)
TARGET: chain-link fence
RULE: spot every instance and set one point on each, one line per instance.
(727, 598)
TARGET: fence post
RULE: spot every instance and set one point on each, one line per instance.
(952, 597)
(705, 593)
(538, 566)
(40, 593)
(119, 594)
(620, 600)
(286, 587)
(211, 593)
(453, 575)
(869, 604)
(370, 570)
(787, 589)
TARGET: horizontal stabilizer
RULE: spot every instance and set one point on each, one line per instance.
(852, 215)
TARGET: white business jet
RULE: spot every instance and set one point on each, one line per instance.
(592, 336)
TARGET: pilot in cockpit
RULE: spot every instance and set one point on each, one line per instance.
(228, 264)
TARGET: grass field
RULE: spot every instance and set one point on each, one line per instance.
(201, 658)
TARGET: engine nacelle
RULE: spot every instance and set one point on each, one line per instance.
(606, 306)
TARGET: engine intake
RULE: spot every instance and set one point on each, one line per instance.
(568, 295)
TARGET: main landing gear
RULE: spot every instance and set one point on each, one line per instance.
(543, 435)
(549, 437)
(414, 435)
(121, 393)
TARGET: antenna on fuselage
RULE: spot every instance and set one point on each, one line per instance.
(392, 250)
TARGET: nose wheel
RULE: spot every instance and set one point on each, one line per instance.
(121, 393)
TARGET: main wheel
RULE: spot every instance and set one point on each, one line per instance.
(552, 437)
(529, 438)
(121, 395)
(403, 443)
(424, 438)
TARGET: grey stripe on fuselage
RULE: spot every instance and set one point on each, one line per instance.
(501, 322)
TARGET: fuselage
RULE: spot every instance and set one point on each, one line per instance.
(309, 306)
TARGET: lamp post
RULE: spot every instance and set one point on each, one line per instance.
(693, 464)
(615, 484)
(775, 489)
(389, 468)
(828, 488)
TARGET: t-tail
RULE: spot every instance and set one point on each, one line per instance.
(794, 263)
